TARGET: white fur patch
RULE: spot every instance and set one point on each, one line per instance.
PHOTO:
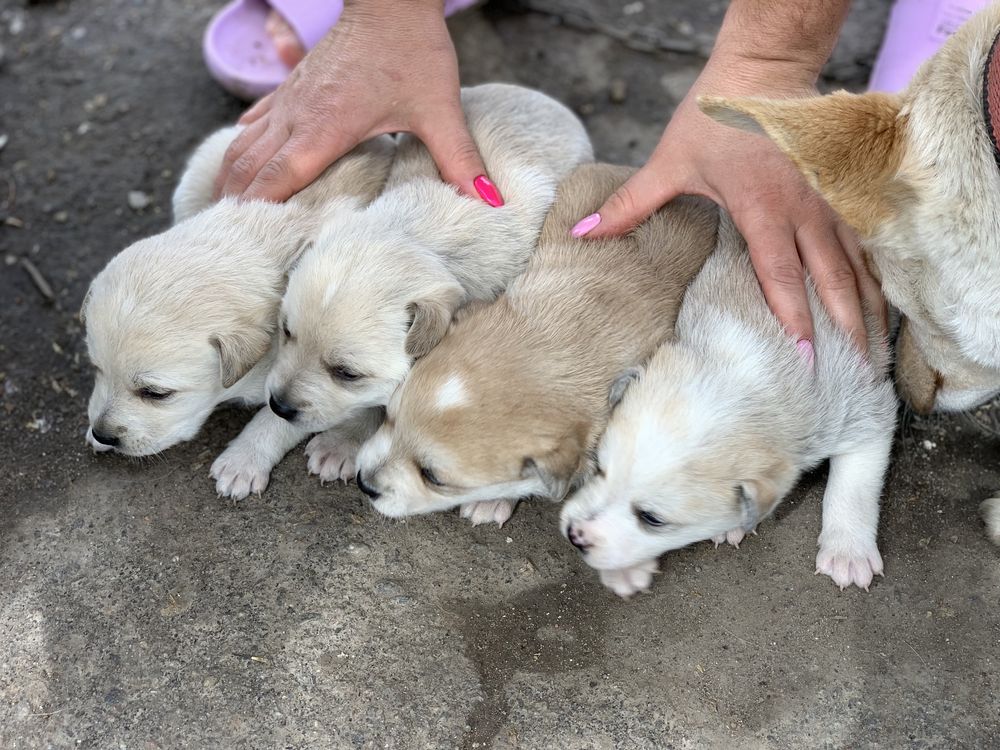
(331, 290)
(451, 394)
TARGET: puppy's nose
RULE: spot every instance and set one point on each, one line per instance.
(577, 539)
(366, 489)
(282, 409)
(108, 440)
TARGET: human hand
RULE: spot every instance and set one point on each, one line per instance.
(788, 227)
(385, 67)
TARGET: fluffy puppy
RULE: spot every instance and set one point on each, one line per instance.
(719, 425)
(180, 322)
(919, 176)
(380, 286)
(512, 400)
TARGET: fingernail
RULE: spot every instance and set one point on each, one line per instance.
(585, 225)
(805, 348)
(487, 191)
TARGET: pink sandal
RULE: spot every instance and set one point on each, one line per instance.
(916, 30)
(241, 55)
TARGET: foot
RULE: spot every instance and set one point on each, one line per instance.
(286, 42)
(332, 457)
(627, 582)
(490, 511)
(848, 560)
(733, 537)
(991, 517)
(238, 472)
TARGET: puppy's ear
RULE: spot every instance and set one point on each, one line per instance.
(849, 146)
(617, 391)
(564, 467)
(759, 496)
(85, 303)
(431, 316)
(240, 350)
(917, 381)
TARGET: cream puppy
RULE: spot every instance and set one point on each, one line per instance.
(513, 399)
(180, 322)
(719, 425)
(379, 287)
(919, 176)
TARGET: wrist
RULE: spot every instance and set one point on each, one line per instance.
(736, 73)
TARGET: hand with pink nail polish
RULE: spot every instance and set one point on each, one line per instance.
(385, 67)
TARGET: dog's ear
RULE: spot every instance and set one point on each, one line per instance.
(430, 317)
(85, 303)
(917, 381)
(849, 146)
(760, 495)
(617, 391)
(240, 350)
(563, 468)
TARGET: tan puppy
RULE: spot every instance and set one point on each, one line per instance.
(512, 400)
(721, 423)
(919, 176)
(380, 286)
(183, 321)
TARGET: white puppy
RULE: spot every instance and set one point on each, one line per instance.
(183, 321)
(918, 175)
(380, 286)
(718, 427)
(512, 401)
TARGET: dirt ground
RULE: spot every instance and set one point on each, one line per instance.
(138, 610)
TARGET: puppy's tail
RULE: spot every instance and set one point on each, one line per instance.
(197, 184)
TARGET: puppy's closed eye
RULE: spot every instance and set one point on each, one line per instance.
(430, 477)
(343, 373)
(649, 519)
(154, 394)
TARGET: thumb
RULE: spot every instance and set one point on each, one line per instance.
(629, 205)
(457, 157)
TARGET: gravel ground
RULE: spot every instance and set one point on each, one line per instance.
(137, 610)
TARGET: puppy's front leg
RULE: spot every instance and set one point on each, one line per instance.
(245, 466)
(626, 582)
(847, 549)
(332, 454)
(489, 511)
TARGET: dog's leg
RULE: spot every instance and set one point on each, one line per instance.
(848, 552)
(332, 454)
(991, 517)
(245, 466)
(627, 582)
(732, 537)
(489, 511)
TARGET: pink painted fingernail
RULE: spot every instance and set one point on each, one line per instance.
(805, 348)
(487, 191)
(585, 225)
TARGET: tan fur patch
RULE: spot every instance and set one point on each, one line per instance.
(848, 146)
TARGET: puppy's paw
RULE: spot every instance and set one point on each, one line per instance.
(237, 474)
(332, 457)
(627, 582)
(488, 511)
(991, 517)
(733, 537)
(848, 560)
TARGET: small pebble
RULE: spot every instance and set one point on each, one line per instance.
(358, 549)
(60, 217)
(618, 90)
(929, 445)
(4, 138)
(138, 200)
(210, 682)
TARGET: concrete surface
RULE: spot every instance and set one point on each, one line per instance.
(139, 611)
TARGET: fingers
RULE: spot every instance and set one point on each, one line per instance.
(457, 157)
(247, 155)
(775, 258)
(873, 301)
(235, 150)
(629, 205)
(258, 110)
(829, 265)
(294, 165)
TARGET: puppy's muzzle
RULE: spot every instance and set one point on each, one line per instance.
(577, 538)
(109, 440)
(372, 493)
(280, 407)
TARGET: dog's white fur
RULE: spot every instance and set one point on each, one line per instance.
(720, 424)
(917, 176)
(380, 285)
(513, 399)
(192, 311)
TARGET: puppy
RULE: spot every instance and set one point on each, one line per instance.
(180, 322)
(719, 425)
(512, 400)
(380, 286)
(917, 176)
